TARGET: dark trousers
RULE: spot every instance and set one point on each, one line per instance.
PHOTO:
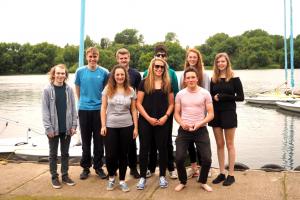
(201, 138)
(90, 124)
(194, 154)
(64, 149)
(170, 149)
(117, 142)
(147, 133)
(132, 155)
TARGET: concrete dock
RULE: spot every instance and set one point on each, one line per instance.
(32, 181)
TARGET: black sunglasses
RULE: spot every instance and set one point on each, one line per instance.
(161, 55)
(159, 66)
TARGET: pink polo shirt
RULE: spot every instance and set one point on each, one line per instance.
(193, 104)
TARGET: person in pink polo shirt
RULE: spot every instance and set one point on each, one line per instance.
(193, 110)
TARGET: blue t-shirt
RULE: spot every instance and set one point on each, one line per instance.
(91, 84)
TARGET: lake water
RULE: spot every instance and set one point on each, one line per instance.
(263, 136)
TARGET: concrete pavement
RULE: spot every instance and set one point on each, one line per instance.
(32, 181)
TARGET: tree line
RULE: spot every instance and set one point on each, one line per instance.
(254, 49)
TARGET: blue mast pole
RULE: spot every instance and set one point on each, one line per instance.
(81, 45)
(292, 46)
(285, 48)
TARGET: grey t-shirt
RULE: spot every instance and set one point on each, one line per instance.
(118, 113)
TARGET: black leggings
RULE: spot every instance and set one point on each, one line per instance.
(147, 133)
(116, 149)
(153, 149)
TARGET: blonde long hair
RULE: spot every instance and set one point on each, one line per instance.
(149, 79)
(199, 66)
(216, 72)
(112, 84)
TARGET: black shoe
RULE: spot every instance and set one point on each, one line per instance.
(135, 173)
(55, 183)
(84, 174)
(229, 180)
(219, 179)
(68, 181)
(101, 173)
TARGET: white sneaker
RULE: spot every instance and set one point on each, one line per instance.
(141, 184)
(163, 183)
(148, 174)
(173, 174)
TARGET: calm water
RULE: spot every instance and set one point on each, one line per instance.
(264, 135)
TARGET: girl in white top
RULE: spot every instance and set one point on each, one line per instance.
(193, 58)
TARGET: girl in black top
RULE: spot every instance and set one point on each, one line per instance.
(225, 90)
(155, 103)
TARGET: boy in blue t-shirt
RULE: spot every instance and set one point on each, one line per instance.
(89, 82)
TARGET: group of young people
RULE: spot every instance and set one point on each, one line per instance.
(117, 107)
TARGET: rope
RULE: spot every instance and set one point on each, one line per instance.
(29, 129)
(6, 124)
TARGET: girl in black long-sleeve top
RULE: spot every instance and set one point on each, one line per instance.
(225, 90)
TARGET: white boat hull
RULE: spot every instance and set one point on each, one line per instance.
(37, 146)
(269, 100)
(295, 107)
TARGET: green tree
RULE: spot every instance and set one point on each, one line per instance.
(107, 58)
(171, 37)
(105, 43)
(70, 55)
(176, 55)
(128, 36)
(216, 39)
(88, 42)
(255, 33)
(297, 52)
(144, 61)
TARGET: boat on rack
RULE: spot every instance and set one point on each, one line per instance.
(33, 145)
(294, 107)
(271, 99)
(288, 97)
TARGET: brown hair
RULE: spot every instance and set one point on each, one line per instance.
(199, 66)
(216, 72)
(160, 48)
(51, 73)
(92, 50)
(149, 79)
(112, 84)
(190, 69)
(122, 51)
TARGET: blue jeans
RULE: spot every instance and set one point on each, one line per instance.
(64, 149)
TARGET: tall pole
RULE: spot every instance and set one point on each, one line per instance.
(292, 46)
(285, 48)
(81, 45)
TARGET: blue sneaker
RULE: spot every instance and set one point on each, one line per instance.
(141, 184)
(124, 187)
(163, 183)
(110, 185)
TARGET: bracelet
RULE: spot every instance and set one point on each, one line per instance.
(167, 115)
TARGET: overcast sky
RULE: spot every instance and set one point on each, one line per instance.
(58, 21)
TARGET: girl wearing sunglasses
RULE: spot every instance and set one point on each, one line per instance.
(155, 103)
